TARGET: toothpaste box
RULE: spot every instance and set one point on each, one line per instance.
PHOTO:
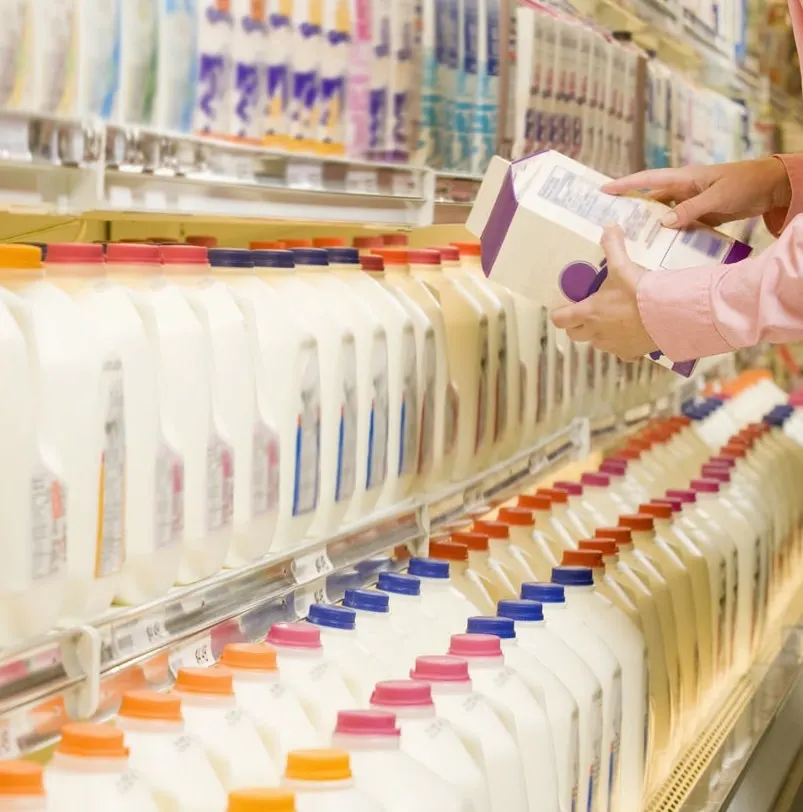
(540, 221)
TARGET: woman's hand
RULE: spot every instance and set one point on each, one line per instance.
(713, 194)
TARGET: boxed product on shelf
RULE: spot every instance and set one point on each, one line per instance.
(213, 91)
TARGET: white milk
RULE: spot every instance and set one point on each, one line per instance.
(514, 550)
(214, 51)
(172, 763)
(311, 329)
(152, 470)
(183, 373)
(246, 98)
(432, 740)
(139, 43)
(535, 635)
(359, 667)
(77, 394)
(174, 102)
(479, 727)
(563, 513)
(305, 67)
(22, 787)
(602, 502)
(268, 700)
(410, 617)
(32, 489)
(385, 772)
(310, 674)
(518, 709)
(89, 770)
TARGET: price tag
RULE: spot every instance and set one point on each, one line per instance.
(304, 597)
(406, 185)
(304, 175)
(362, 181)
(14, 137)
(197, 653)
(313, 565)
(12, 728)
(140, 635)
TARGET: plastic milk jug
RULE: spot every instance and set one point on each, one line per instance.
(22, 787)
(467, 580)
(497, 580)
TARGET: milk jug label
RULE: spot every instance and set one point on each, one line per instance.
(347, 434)
(379, 417)
(616, 701)
(169, 516)
(482, 387)
(219, 484)
(264, 469)
(451, 419)
(308, 437)
(427, 438)
(408, 432)
(110, 549)
(48, 525)
(501, 394)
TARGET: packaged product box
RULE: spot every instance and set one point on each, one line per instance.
(277, 71)
(338, 25)
(429, 151)
(176, 69)
(247, 100)
(398, 133)
(215, 42)
(540, 221)
(380, 76)
(358, 89)
(305, 70)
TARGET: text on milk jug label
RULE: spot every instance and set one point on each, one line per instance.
(482, 387)
(308, 436)
(427, 432)
(616, 703)
(346, 479)
(169, 516)
(501, 393)
(48, 525)
(110, 550)
(265, 469)
(219, 484)
(408, 430)
(379, 415)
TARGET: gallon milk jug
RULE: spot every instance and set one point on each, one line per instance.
(383, 771)
(152, 469)
(518, 709)
(533, 525)
(89, 770)
(432, 741)
(479, 727)
(627, 644)
(261, 800)
(359, 667)
(408, 614)
(228, 737)
(403, 361)
(32, 490)
(172, 764)
(376, 632)
(22, 787)
(231, 375)
(469, 354)
(77, 396)
(555, 698)
(536, 636)
(563, 514)
(322, 781)
(619, 468)
(183, 373)
(497, 580)
(602, 504)
(582, 506)
(467, 580)
(267, 700)
(313, 677)
(510, 544)
(309, 328)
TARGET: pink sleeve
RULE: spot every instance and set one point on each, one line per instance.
(778, 219)
(696, 312)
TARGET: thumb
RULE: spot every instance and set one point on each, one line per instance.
(693, 209)
(613, 244)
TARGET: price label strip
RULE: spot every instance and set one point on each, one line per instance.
(140, 635)
(196, 653)
(312, 565)
(304, 175)
(362, 181)
(307, 595)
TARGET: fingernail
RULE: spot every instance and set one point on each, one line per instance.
(669, 220)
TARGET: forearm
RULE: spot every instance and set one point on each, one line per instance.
(779, 217)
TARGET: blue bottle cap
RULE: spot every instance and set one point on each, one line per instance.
(520, 610)
(573, 576)
(310, 256)
(366, 599)
(428, 568)
(543, 593)
(332, 617)
(230, 258)
(343, 256)
(498, 626)
(398, 584)
(270, 258)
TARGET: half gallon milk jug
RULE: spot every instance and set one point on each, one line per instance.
(32, 501)
(479, 727)
(312, 676)
(359, 667)
(376, 632)
(404, 396)
(294, 331)
(267, 700)
(518, 709)
(383, 771)
(321, 781)
(22, 787)
(172, 764)
(432, 741)
(228, 737)
(90, 771)
(83, 464)
(183, 373)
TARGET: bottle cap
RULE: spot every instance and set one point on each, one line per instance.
(440, 669)
(371, 263)
(502, 627)
(543, 593)
(638, 522)
(494, 530)
(716, 472)
(520, 610)
(404, 693)
(613, 467)
(705, 486)
(395, 239)
(133, 253)
(151, 706)
(538, 501)
(88, 740)
(628, 454)
(204, 681)
(309, 256)
(428, 568)
(343, 256)
(621, 535)
(596, 480)
(657, 511)
(294, 635)
(368, 600)
(468, 249)
(572, 576)
(582, 558)
(368, 241)
(722, 462)
(471, 540)
(448, 551)
(193, 254)
(398, 584)
(21, 779)
(423, 256)
(448, 253)
(318, 765)
(229, 257)
(261, 800)
(475, 645)
(74, 253)
(517, 517)
(606, 547)
(273, 259)
(204, 240)
(265, 245)
(367, 723)
(298, 243)
(572, 488)
(329, 242)
(675, 504)
(392, 256)
(249, 657)
(684, 496)
(555, 495)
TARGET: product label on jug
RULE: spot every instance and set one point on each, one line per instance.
(266, 456)
(501, 394)
(308, 436)
(426, 442)
(48, 525)
(408, 429)
(346, 479)
(596, 744)
(379, 416)
(219, 484)
(110, 549)
(169, 502)
(616, 742)
(482, 387)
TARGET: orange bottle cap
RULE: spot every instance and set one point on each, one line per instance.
(468, 249)
(209, 681)
(318, 765)
(494, 530)
(13, 255)
(392, 256)
(638, 522)
(556, 496)
(535, 501)
(471, 539)
(298, 244)
(249, 657)
(604, 546)
(151, 706)
(329, 242)
(261, 800)
(582, 558)
(621, 535)
(448, 551)
(656, 511)
(88, 740)
(267, 245)
(21, 778)
(518, 517)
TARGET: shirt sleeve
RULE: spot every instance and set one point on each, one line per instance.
(697, 312)
(778, 219)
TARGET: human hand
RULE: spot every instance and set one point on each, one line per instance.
(713, 194)
(610, 318)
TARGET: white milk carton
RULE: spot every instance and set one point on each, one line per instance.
(381, 65)
(277, 70)
(174, 101)
(400, 91)
(429, 144)
(247, 96)
(549, 199)
(485, 113)
(215, 41)
(305, 59)
(360, 62)
(334, 76)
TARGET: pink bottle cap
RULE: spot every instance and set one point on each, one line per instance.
(596, 480)
(295, 635)
(184, 254)
(616, 461)
(704, 486)
(611, 469)
(74, 252)
(424, 256)
(722, 462)
(367, 723)
(683, 496)
(675, 504)
(403, 693)
(133, 253)
(475, 645)
(440, 669)
(574, 488)
(716, 472)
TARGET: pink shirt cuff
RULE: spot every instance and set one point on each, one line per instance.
(675, 307)
(778, 219)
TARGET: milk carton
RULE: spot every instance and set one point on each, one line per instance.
(133, 101)
(277, 70)
(305, 60)
(246, 99)
(360, 60)
(215, 42)
(174, 102)
(402, 41)
(549, 199)
(379, 97)
(429, 143)
(337, 28)
(15, 56)
(449, 14)
(485, 111)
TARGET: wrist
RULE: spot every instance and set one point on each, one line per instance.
(781, 186)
